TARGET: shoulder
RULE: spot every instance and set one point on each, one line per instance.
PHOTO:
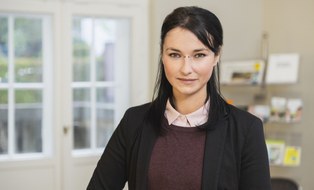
(243, 121)
(134, 116)
(137, 112)
(246, 127)
(241, 115)
(139, 108)
(131, 123)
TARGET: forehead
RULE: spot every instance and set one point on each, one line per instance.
(182, 39)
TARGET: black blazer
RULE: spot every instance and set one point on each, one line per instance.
(235, 154)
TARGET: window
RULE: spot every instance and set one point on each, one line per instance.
(100, 78)
(25, 63)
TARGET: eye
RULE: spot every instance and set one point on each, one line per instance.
(174, 55)
(200, 55)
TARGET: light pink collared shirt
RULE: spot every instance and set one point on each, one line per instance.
(193, 119)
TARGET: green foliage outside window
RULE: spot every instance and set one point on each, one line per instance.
(27, 35)
(3, 97)
(28, 96)
(81, 53)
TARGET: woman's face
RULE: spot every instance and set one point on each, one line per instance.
(188, 64)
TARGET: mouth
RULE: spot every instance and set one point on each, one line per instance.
(186, 80)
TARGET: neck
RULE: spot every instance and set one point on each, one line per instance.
(188, 105)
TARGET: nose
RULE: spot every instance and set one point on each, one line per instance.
(187, 65)
(187, 57)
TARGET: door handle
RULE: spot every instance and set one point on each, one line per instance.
(66, 129)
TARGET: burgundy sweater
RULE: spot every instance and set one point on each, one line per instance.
(177, 159)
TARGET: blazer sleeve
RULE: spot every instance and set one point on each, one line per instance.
(110, 172)
(254, 160)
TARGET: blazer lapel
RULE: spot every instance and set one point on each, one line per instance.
(214, 148)
(148, 138)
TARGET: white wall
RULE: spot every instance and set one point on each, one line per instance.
(290, 25)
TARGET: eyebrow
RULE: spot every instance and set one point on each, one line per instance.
(196, 50)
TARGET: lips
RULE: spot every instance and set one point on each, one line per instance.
(186, 80)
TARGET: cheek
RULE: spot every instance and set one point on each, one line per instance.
(169, 69)
(207, 69)
(205, 72)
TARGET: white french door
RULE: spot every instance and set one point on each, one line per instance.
(92, 65)
(103, 58)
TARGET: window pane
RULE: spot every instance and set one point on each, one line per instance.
(105, 33)
(105, 95)
(105, 115)
(28, 121)
(82, 40)
(3, 49)
(82, 118)
(105, 126)
(100, 64)
(28, 49)
(3, 121)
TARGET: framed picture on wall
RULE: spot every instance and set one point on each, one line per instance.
(249, 72)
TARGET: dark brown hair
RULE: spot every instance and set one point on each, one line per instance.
(207, 28)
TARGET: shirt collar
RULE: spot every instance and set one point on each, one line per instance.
(193, 119)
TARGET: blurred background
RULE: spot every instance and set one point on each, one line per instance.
(70, 68)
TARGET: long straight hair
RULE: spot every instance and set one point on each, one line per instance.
(207, 28)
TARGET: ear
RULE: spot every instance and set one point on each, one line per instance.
(217, 56)
(216, 59)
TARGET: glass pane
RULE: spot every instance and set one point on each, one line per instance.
(28, 121)
(28, 50)
(82, 118)
(105, 126)
(105, 95)
(3, 121)
(100, 49)
(3, 50)
(82, 40)
(105, 115)
(105, 33)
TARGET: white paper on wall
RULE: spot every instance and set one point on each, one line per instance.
(282, 68)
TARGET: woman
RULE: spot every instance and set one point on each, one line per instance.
(188, 137)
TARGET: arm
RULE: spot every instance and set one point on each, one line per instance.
(110, 172)
(254, 160)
